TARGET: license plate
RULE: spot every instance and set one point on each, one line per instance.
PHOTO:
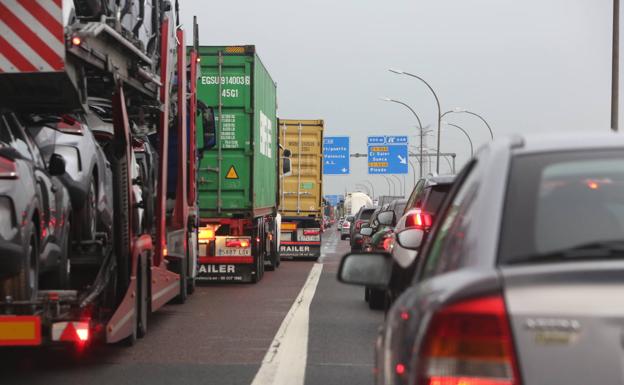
(234, 252)
(308, 238)
(20, 330)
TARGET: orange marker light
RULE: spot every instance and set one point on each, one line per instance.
(76, 40)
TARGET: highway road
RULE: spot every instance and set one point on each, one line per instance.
(297, 326)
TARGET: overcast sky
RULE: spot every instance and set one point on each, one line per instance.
(526, 66)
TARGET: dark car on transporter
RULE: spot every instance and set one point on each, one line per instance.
(36, 210)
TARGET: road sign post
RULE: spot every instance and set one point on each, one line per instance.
(387, 155)
(336, 155)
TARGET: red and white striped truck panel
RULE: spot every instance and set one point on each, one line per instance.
(31, 36)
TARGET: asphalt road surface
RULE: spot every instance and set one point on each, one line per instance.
(297, 326)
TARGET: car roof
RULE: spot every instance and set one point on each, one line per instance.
(535, 143)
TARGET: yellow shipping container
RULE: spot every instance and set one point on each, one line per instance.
(301, 192)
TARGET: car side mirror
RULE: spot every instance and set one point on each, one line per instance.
(410, 238)
(386, 218)
(57, 165)
(366, 269)
(366, 231)
(209, 126)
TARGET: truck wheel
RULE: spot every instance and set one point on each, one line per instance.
(121, 224)
(143, 280)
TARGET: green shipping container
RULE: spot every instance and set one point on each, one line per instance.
(234, 79)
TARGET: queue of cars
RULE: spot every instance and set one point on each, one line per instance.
(521, 266)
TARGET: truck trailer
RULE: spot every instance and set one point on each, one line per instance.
(238, 181)
(301, 191)
(132, 58)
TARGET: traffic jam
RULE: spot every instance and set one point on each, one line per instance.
(168, 214)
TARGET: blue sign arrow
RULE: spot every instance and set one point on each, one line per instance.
(387, 155)
(336, 155)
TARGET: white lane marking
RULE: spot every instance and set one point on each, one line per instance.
(286, 360)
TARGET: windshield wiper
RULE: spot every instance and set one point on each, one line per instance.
(591, 250)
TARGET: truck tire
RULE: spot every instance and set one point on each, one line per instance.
(121, 224)
(143, 289)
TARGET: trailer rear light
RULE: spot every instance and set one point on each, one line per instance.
(206, 234)
(76, 40)
(237, 243)
(71, 331)
(8, 170)
(419, 219)
(311, 232)
(387, 243)
(469, 343)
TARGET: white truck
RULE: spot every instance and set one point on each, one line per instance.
(354, 201)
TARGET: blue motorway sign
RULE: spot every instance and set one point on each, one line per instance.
(387, 155)
(334, 199)
(336, 155)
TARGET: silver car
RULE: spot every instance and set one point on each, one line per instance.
(345, 228)
(520, 280)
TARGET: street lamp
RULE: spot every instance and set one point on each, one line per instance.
(437, 103)
(393, 185)
(465, 133)
(420, 127)
(401, 189)
(361, 186)
(459, 110)
(372, 188)
(414, 169)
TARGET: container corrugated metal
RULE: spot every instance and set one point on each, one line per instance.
(301, 192)
(247, 133)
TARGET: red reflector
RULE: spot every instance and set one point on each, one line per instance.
(8, 170)
(400, 369)
(469, 342)
(236, 243)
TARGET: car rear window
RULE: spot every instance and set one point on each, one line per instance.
(366, 214)
(436, 196)
(561, 201)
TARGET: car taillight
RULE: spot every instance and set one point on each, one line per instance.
(387, 243)
(311, 232)
(8, 170)
(358, 224)
(346, 224)
(69, 125)
(236, 243)
(419, 219)
(469, 343)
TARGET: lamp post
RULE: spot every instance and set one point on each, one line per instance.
(401, 189)
(372, 188)
(414, 170)
(420, 127)
(437, 103)
(465, 133)
(459, 110)
(361, 186)
(388, 181)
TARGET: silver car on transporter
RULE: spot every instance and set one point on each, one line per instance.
(521, 279)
